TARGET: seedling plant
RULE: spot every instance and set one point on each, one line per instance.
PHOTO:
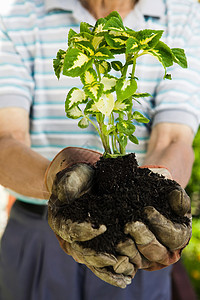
(93, 55)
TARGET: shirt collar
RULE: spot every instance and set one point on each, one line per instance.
(155, 8)
(68, 5)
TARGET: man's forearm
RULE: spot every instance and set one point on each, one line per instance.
(22, 169)
(170, 145)
(177, 157)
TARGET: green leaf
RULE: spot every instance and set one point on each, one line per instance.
(139, 117)
(117, 65)
(83, 123)
(105, 104)
(125, 88)
(89, 76)
(71, 34)
(132, 45)
(122, 139)
(58, 62)
(75, 63)
(114, 14)
(74, 113)
(126, 127)
(104, 67)
(94, 90)
(133, 139)
(168, 76)
(85, 27)
(179, 57)
(148, 38)
(114, 23)
(74, 97)
(103, 54)
(109, 83)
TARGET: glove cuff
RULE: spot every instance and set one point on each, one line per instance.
(66, 158)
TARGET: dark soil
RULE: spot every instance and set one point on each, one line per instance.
(120, 192)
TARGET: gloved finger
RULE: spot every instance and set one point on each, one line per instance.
(179, 201)
(91, 257)
(172, 235)
(128, 248)
(146, 241)
(118, 280)
(73, 231)
(67, 248)
(73, 182)
(123, 266)
(66, 158)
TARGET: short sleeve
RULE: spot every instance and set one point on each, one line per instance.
(16, 82)
(178, 100)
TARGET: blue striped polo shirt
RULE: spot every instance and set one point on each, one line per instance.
(31, 33)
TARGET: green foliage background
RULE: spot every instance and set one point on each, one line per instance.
(191, 254)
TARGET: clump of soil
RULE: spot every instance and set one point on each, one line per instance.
(120, 192)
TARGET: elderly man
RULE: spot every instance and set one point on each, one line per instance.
(33, 129)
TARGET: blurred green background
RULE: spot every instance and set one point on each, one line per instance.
(191, 254)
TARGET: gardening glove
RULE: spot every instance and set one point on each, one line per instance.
(159, 244)
(69, 176)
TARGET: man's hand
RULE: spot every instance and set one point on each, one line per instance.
(160, 243)
(68, 177)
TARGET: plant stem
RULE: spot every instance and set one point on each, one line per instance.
(98, 72)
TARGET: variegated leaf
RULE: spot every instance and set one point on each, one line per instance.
(139, 117)
(58, 62)
(85, 46)
(114, 23)
(89, 76)
(141, 95)
(106, 104)
(99, 26)
(115, 42)
(126, 127)
(81, 37)
(117, 65)
(148, 38)
(125, 88)
(94, 90)
(74, 112)
(104, 67)
(121, 106)
(103, 54)
(83, 123)
(91, 108)
(132, 45)
(163, 53)
(75, 63)
(109, 83)
(74, 97)
(96, 41)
